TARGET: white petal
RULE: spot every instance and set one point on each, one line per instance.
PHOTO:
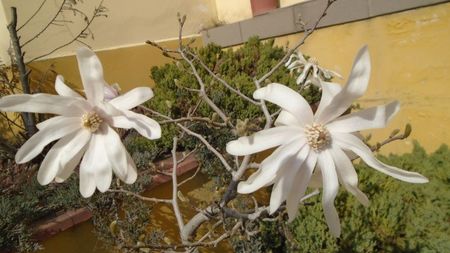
(111, 91)
(64, 90)
(103, 172)
(315, 71)
(355, 88)
(301, 183)
(286, 119)
(301, 78)
(43, 103)
(132, 171)
(132, 98)
(347, 174)
(49, 122)
(107, 111)
(144, 125)
(72, 153)
(37, 142)
(292, 58)
(288, 100)
(281, 187)
(70, 166)
(116, 153)
(352, 143)
(263, 140)
(271, 167)
(95, 169)
(375, 117)
(285, 180)
(329, 91)
(91, 72)
(87, 170)
(316, 180)
(330, 190)
(51, 163)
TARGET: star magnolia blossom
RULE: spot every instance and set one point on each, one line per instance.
(297, 61)
(111, 91)
(85, 129)
(325, 139)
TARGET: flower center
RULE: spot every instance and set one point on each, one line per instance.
(91, 121)
(318, 136)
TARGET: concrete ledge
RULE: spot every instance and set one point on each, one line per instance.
(47, 228)
(295, 18)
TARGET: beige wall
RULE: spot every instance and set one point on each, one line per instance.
(129, 67)
(4, 36)
(284, 3)
(230, 11)
(410, 62)
(410, 59)
(129, 23)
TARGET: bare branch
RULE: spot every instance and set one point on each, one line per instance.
(212, 243)
(165, 52)
(201, 119)
(176, 208)
(201, 91)
(239, 93)
(46, 26)
(301, 42)
(130, 193)
(79, 35)
(32, 16)
(28, 118)
(196, 135)
(191, 177)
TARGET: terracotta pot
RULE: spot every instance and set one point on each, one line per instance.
(263, 6)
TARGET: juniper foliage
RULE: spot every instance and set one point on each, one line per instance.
(401, 217)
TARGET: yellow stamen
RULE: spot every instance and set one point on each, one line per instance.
(317, 136)
(91, 121)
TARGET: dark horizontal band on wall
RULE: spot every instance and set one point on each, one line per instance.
(296, 18)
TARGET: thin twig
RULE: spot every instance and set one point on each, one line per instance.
(307, 33)
(46, 26)
(202, 90)
(130, 193)
(239, 93)
(197, 135)
(202, 119)
(86, 27)
(28, 118)
(191, 177)
(32, 16)
(212, 243)
(176, 208)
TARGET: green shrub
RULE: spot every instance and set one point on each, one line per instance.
(402, 217)
(29, 203)
(238, 68)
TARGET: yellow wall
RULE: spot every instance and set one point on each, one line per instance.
(129, 23)
(129, 67)
(284, 3)
(410, 54)
(410, 62)
(230, 11)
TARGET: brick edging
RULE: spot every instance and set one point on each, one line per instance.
(47, 228)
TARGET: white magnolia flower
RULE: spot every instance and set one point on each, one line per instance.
(298, 62)
(111, 91)
(324, 138)
(85, 129)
